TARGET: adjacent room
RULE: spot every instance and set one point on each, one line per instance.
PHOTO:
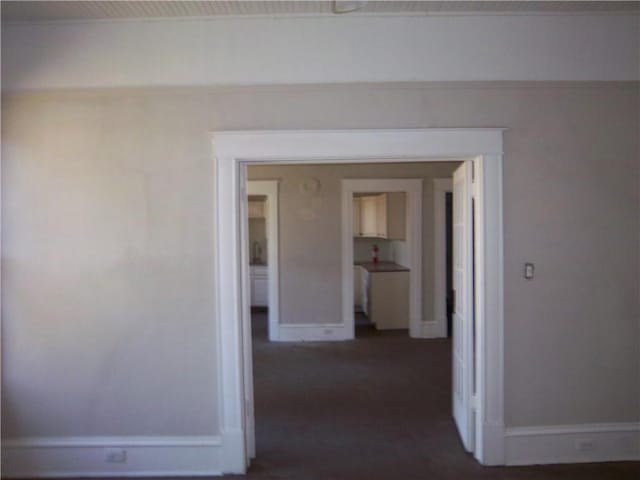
(318, 390)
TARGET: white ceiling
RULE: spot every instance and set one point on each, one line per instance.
(80, 10)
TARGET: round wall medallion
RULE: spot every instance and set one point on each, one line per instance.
(309, 186)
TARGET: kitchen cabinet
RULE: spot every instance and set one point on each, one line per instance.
(357, 288)
(380, 216)
(259, 286)
(256, 208)
(364, 291)
(385, 295)
(368, 217)
(357, 209)
(388, 298)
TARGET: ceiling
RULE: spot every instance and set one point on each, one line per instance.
(83, 10)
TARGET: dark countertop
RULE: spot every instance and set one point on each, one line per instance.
(381, 267)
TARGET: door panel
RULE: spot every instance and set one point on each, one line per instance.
(463, 305)
(250, 440)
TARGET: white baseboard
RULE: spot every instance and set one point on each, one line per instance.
(52, 457)
(602, 442)
(232, 452)
(433, 329)
(492, 451)
(315, 332)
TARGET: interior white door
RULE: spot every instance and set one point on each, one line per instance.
(463, 412)
(250, 439)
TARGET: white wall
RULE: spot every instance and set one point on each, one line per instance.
(107, 267)
(107, 245)
(232, 51)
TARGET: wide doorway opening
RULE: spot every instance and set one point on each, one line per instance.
(299, 389)
(478, 414)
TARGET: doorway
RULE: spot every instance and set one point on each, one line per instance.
(412, 189)
(482, 147)
(262, 252)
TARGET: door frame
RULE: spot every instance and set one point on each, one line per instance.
(412, 188)
(269, 189)
(440, 188)
(233, 150)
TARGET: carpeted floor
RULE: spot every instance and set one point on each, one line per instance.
(377, 408)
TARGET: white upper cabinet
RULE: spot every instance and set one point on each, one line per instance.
(356, 216)
(368, 217)
(256, 209)
(380, 215)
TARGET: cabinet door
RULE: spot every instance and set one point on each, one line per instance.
(357, 214)
(389, 304)
(368, 225)
(357, 287)
(256, 209)
(365, 291)
(381, 215)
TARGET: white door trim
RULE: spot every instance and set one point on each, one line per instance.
(269, 188)
(412, 187)
(232, 149)
(440, 187)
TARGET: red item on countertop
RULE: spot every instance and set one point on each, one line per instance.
(374, 254)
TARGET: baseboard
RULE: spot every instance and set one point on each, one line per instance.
(232, 452)
(53, 457)
(602, 442)
(492, 451)
(315, 332)
(433, 329)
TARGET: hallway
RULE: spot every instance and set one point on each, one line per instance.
(375, 408)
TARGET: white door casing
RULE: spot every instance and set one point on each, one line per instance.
(462, 350)
(412, 188)
(439, 325)
(233, 149)
(268, 188)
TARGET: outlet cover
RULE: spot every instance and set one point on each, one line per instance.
(115, 455)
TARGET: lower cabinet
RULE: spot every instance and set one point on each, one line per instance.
(388, 300)
(357, 288)
(259, 286)
(364, 290)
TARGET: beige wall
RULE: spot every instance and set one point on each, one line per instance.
(107, 276)
(310, 245)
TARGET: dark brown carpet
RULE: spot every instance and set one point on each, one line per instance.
(376, 408)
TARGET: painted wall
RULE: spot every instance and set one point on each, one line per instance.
(347, 48)
(310, 245)
(107, 299)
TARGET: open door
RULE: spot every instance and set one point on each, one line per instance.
(463, 311)
(247, 340)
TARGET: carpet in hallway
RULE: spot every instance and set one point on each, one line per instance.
(375, 408)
